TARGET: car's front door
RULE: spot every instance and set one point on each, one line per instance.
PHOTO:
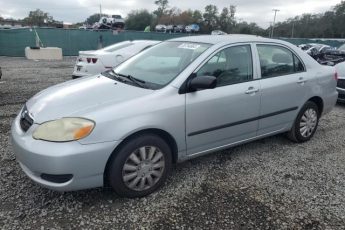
(284, 85)
(228, 113)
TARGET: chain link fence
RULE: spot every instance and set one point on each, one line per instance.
(13, 42)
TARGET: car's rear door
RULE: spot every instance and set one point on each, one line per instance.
(285, 85)
(228, 113)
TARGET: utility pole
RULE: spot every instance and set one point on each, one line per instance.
(274, 21)
(100, 11)
(270, 30)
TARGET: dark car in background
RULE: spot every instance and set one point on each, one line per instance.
(169, 28)
(325, 54)
(179, 29)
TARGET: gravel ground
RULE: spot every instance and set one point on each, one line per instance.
(267, 184)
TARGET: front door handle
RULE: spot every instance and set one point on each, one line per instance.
(301, 81)
(252, 90)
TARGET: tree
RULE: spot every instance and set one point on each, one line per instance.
(211, 17)
(170, 16)
(197, 16)
(339, 11)
(249, 28)
(185, 18)
(325, 25)
(162, 7)
(177, 17)
(224, 20)
(38, 18)
(138, 20)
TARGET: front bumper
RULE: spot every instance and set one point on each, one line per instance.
(85, 162)
(341, 94)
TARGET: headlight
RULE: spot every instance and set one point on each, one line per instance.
(65, 129)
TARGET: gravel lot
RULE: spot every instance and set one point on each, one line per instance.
(267, 184)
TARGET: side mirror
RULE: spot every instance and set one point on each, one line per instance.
(202, 82)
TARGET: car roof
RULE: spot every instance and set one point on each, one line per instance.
(144, 41)
(231, 38)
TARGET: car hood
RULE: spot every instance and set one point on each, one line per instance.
(73, 97)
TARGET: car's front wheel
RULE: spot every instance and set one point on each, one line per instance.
(306, 123)
(140, 166)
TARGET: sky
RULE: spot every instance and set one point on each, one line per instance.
(256, 11)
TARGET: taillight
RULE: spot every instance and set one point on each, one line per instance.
(93, 60)
(336, 76)
(80, 59)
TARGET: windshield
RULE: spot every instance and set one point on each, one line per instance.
(160, 64)
(117, 46)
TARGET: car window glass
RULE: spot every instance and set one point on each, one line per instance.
(298, 65)
(276, 61)
(163, 62)
(230, 66)
(342, 47)
(117, 46)
(160, 64)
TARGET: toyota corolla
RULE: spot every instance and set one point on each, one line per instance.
(175, 101)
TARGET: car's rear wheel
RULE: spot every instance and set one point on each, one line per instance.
(306, 123)
(140, 166)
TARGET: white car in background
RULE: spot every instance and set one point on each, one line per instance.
(218, 32)
(96, 61)
(160, 28)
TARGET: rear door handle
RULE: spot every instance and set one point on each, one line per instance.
(252, 90)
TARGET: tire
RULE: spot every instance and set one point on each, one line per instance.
(305, 124)
(140, 166)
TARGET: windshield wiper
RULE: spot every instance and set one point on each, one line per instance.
(136, 81)
(125, 78)
(113, 74)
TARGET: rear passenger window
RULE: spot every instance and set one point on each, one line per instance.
(230, 66)
(278, 61)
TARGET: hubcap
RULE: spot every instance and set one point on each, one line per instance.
(308, 122)
(143, 168)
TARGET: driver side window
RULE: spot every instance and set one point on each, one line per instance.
(230, 66)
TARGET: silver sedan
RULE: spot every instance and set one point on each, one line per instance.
(341, 81)
(172, 102)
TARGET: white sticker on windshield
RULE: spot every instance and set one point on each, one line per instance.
(190, 46)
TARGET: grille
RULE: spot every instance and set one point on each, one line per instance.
(341, 83)
(25, 120)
